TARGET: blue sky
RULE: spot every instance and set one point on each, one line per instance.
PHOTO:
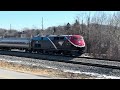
(31, 19)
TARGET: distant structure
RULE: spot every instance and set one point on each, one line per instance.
(23, 34)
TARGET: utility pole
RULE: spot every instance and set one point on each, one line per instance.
(10, 26)
(42, 23)
(42, 27)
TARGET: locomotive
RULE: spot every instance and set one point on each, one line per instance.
(49, 44)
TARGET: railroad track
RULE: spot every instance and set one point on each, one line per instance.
(104, 63)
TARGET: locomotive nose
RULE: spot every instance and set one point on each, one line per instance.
(81, 43)
(77, 40)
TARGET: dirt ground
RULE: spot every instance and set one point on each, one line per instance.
(43, 71)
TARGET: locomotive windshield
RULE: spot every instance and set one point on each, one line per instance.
(77, 38)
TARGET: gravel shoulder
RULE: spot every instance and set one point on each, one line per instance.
(53, 73)
(49, 72)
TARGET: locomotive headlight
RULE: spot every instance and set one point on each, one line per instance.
(79, 41)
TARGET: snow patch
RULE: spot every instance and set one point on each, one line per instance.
(99, 76)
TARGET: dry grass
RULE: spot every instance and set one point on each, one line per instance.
(42, 71)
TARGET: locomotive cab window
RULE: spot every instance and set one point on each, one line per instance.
(61, 38)
(58, 38)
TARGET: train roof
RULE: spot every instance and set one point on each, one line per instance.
(58, 35)
(51, 35)
(15, 40)
(44, 37)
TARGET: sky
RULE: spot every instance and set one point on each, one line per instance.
(33, 19)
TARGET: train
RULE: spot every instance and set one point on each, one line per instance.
(48, 44)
